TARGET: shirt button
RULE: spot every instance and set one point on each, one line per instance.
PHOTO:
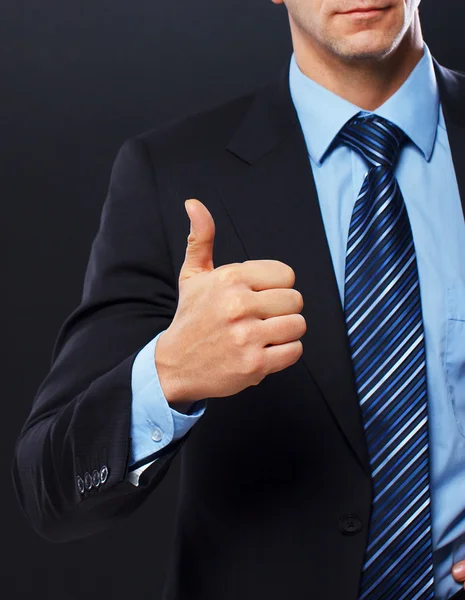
(350, 525)
(157, 434)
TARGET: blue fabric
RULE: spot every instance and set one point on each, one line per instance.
(150, 408)
(427, 179)
(385, 328)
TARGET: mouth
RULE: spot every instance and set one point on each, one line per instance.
(365, 12)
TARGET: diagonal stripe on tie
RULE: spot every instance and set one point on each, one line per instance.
(384, 324)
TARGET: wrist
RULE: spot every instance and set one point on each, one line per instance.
(168, 375)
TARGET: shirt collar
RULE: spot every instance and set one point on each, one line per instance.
(414, 108)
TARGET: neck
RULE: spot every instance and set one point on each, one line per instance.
(365, 83)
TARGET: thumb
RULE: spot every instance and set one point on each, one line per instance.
(458, 571)
(199, 251)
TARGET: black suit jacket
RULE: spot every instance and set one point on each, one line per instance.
(275, 490)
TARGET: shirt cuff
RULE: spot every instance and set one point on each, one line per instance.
(154, 424)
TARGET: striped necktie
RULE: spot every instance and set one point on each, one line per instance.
(385, 329)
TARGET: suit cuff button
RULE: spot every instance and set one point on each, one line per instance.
(88, 481)
(104, 474)
(80, 484)
(96, 478)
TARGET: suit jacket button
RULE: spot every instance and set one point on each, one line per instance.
(88, 480)
(350, 525)
(96, 478)
(80, 484)
(103, 474)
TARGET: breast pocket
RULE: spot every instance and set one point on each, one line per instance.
(454, 356)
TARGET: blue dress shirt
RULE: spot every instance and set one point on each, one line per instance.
(427, 179)
(154, 424)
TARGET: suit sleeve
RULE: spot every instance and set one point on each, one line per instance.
(78, 429)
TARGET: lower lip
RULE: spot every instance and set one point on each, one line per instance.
(365, 14)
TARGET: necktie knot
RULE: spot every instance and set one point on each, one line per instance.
(376, 138)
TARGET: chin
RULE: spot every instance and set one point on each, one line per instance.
(366, 53)
(376, 48)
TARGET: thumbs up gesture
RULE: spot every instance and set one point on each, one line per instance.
(233, 325)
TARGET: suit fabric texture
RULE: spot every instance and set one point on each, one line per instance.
(269, 505)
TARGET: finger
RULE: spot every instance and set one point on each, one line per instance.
(274, 303)
(266, 274)
(458, 571)
(283, 329)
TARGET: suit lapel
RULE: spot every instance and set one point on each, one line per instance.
(273, 203)
(274, 206)
(452, 94)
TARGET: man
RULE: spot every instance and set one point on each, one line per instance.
(329, 460)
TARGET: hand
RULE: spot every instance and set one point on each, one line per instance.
(458, 572)
(233, 325)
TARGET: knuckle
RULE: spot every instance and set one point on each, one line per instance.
(241, 335)
(259, 378)
(291, 276)
(300, 300)
(235, 308)
(299, 350)
(254, 367)
(228, 273)
(296, 351)
(303, 323)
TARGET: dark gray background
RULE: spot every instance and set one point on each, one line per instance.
(77, 78)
